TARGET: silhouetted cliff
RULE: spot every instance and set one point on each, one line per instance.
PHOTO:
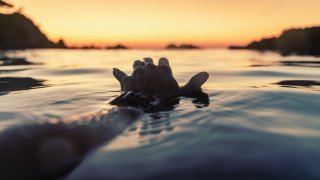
(19, 32)
(301, 41)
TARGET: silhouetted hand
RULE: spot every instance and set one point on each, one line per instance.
(149, 80)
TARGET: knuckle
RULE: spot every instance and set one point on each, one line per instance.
(150, 66)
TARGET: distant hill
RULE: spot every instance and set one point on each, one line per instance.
(119, 46)
(182, 46)
(19, 32)
(303, 41)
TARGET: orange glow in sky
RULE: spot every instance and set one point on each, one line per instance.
(155, 23)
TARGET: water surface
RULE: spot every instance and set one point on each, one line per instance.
(262, 120)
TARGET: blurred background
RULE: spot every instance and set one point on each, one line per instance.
(257, 118)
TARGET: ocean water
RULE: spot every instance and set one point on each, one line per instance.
(261, 121)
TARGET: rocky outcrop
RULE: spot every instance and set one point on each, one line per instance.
(182, 46)
(119, 46)
(304, 41)
(19, 32)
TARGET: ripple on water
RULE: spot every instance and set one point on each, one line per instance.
(266, 132)
(242, 134)
(77, 71)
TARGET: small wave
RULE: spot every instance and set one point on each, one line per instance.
(260, 63)
(79, 71)
(301, 63)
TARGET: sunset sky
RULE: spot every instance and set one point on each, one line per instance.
(155, 23)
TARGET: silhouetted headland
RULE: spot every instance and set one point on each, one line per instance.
(19, 32)
(182, 46)
(302, 41)
(119, 46)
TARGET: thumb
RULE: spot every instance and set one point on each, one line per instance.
(118, 74)
(196, 82)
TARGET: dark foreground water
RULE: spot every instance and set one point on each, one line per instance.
(262, 119)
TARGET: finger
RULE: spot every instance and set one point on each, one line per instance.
(148, 61)
(164, 62)
(151, 75)
(118, 74)
(138, 64)
(196, 81)
(138, 76)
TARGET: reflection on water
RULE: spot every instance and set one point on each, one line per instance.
(248, 124)
(301, 63)
(10, 70)
(305, 83)
(5, 61)
(150, 103)
(9, 84)
(156, 124)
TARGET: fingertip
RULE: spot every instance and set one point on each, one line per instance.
(163, 61)
(148, 60)
(138, 64)
(202, 77)
(115, 72)
(205, 75)
(163, 58)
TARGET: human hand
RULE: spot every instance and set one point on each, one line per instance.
(150, 79)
